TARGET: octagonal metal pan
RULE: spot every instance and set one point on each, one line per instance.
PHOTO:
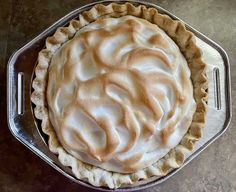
(25, 127)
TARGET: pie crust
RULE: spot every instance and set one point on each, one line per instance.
(186, 43)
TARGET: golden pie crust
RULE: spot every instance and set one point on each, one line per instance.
(186, 43)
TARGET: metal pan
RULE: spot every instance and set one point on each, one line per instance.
(24, 126)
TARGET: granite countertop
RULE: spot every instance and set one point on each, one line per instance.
(22, 171)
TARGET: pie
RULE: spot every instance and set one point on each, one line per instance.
(121, 93)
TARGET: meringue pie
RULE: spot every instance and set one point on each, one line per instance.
(121, 93)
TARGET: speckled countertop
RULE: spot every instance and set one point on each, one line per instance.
(21, 171)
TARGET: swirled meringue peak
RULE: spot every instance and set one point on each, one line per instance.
(119, 94)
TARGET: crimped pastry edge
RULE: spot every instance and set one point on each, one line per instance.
(187, 44)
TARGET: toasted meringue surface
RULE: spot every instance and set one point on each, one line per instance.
(120, 95)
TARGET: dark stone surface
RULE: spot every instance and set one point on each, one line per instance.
(22, 171)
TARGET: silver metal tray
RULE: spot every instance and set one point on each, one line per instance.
(24, 126)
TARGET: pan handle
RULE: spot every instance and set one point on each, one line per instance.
(20, 93)
(217, 94)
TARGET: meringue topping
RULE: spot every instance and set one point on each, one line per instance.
(120, 95)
